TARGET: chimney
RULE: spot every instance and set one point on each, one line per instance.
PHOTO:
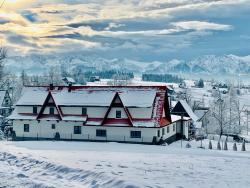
(70, 87)
(51, 87)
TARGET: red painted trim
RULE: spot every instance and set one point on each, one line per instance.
(58, 87)
(115, 121)
(95, 119)
(28, 114)
(125, 126)
(49, 115)
(78, 115)
(30, 105)
(142, 119)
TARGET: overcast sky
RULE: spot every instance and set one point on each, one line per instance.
(144, 30)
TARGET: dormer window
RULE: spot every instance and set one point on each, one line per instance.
(51, 110)
(34, 109)
(118, 114)
(84, 111)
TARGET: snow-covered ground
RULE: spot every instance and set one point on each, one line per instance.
(89, 164)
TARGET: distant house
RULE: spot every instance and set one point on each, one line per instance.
(203, 120)
(94, 78)
(5, 103)
(184, 110)
(69, 80)
(138, 114)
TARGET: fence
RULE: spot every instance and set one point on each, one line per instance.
(86, 137)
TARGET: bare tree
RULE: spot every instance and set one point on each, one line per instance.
(226, 112)
(24, 78)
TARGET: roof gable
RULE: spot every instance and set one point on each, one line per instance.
(49, 100)
(117, 102)
(182, 108)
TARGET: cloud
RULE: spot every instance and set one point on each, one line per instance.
(120, 27)
(201, 25)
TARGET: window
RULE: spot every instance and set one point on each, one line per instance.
(101, 133)
(34, 110)
(77, 129)
(84, 111)
(53, 126)
(174, 127)
(118, 114)
(158, 133)
(135, 134)
(168, 129)
(26, 128)
(51, 110)
(163, 131)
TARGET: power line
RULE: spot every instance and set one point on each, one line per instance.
(2, 3)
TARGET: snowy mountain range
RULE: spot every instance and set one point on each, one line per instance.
(37, 64)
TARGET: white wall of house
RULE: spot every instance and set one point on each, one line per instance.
(46, 110)
(94, 112)
(43, 129)
(112, 113)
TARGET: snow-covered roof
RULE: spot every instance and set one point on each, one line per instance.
(138, 98)
(90, 97)
(175, 118)
(143, 123)
(16, 115)
(69, 79)
(74, 118)
(33, 96)
(83, 98)
(188, 110)
(100, 96)
(200, 113)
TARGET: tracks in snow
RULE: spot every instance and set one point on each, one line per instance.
(21, 171)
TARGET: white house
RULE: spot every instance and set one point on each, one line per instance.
(137, 114)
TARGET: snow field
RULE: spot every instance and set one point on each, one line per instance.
(89, 164)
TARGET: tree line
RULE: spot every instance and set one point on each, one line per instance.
(161, 78)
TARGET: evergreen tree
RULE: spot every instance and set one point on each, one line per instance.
(200, 83)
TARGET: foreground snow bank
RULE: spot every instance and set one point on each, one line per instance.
(38, 173)
(86, 164)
